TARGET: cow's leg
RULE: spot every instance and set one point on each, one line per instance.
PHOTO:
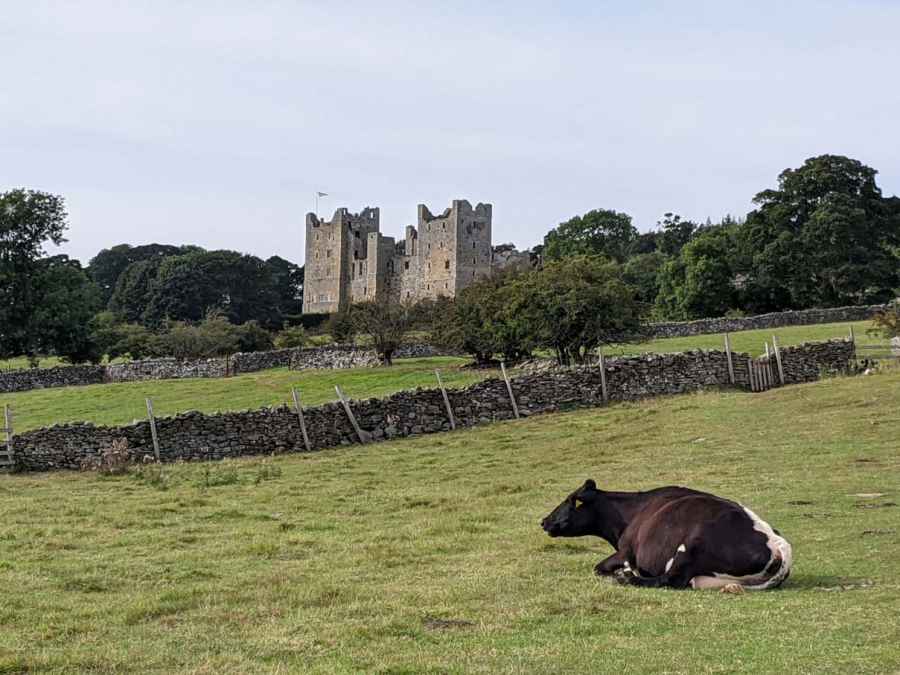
(678, 575)
(612, 564)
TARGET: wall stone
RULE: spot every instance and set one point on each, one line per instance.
(325, 357)
(803, 317)
(196, 436)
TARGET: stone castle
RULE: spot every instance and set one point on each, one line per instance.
(348, 260)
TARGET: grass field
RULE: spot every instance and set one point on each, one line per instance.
(425, 555)
(123, 402)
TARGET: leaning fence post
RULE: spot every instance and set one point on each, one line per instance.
(299, 410)
(728, 355)
(778, 360)
(770, 377)
(509, 388)
(362, 435)
(603, 389)
(446, 399)
(153, 435)
(852, 338)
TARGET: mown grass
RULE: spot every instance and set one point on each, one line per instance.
(425, 555)
(124, 402)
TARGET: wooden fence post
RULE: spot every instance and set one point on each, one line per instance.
(728, 354)
(299, 410)
(778, 359)
(153, 435)
(8, 427)
(770, 377)
(446, 399)
(362, 435)
(852, 338)
(750, 374)
(603, 390)
(512, 396)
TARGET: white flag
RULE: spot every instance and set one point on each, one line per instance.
(321, 194)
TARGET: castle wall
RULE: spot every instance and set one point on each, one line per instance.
(348, 260)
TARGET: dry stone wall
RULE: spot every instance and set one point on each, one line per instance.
(326, 357)
(803, 317)
(196, 436)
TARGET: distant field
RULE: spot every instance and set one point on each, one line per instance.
(121, 403)
(425, 555)
(752, 341)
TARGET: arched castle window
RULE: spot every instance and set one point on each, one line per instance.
(446, 264)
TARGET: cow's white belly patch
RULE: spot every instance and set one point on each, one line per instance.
(780, 549)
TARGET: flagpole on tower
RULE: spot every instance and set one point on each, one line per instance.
(319, 194)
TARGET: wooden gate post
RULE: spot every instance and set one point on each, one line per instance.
(603, 390)
(728, 354)
(750, 374)
(153, 435)
(446, 399)
(299, 409)
(778, 359)
(362, 435)
(509, 388)
(770, 378)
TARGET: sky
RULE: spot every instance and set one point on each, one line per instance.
(214, 123)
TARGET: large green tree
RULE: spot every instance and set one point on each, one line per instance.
(598, 232)
(67, 301)
(700, 281)
(189, 286)
(28, 221)
(824, 237)
(107, 266)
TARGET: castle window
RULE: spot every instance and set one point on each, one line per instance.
(328, 253)
(356, 234)
(360, 268)
(473, 244)
(474, 261)
(355, 255)
(406, 265)
(317, 255)
(445, 285)
(446, 264)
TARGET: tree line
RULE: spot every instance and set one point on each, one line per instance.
(824, 236)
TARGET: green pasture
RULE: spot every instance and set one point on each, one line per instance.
(425, 555)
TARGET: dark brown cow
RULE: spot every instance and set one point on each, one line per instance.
(675, 537)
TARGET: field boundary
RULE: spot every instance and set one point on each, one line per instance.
(277, 430)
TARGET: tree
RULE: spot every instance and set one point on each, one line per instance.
(699, 283)
(28, 220)
(189, 286)
(886, 322)
(287, 282)
(824, 237)
(291, 337)
(115, 339)
(386, 320)
(641, 272)
(598, 232)
(108, 265)
(134, 289)
(574, 306)
(674, 233)
(66, 301)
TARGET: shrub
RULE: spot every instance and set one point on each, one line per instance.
(342, 327)
(252, 337)
(291, 337)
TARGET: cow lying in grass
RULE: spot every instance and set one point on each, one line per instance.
(675, 537)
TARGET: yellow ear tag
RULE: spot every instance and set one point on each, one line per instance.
(578, 503)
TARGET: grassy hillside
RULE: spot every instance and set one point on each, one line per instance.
(425, 555)
(123, 402)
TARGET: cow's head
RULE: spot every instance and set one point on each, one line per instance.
(576, 516)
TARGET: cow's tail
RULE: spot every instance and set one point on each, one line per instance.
(779, 567)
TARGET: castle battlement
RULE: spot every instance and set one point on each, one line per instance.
(348, 259)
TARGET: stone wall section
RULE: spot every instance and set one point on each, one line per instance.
(196, 436)
(805, 317)
(323, 358)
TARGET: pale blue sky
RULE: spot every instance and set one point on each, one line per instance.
(214, 122)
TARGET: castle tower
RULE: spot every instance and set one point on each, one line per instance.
(336, 252)
(454, 249)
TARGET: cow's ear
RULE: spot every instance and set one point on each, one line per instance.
(589, 484)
